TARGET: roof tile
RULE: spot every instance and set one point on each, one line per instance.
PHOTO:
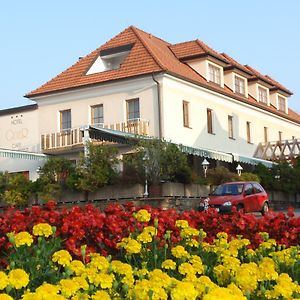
(149, 55)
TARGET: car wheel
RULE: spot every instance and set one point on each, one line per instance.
(265, 208)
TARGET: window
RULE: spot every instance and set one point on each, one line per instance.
(185, 106)
(214, 74)
(65, 119)
(133, 109)
(248, 128)
(110, 59)
(97, 114)
(262, 95)
(266, 134)
(239, 85)
(280, 135)
(209, 120)
(281, 104)
(230, 127)
(248, 189)
(257, 188)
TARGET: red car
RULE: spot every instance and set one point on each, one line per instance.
(249, 196)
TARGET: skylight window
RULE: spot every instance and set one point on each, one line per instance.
(110, 59)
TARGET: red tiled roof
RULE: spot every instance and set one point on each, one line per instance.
(267, 79)
(193, 49)
(148, 55)
(235, 64)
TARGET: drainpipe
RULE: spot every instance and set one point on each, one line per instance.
(159, 107)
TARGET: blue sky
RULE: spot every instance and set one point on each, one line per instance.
(39, 39)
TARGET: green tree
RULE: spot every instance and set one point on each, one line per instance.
(16, 189)
(97, 169)
(56, 175)
(220, 175)
(157, 160)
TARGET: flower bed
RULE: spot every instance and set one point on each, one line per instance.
(153, 254)
(101, 231)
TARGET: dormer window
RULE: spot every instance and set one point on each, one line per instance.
(262, 95)
(110, 59)
(239, 85)
(214, 74)
(281, 104)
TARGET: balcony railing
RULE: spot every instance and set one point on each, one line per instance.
(74, 137)
(278, 150)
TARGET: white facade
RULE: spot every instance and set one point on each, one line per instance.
(201, 99)
(19, 129)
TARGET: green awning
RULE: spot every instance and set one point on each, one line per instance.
(252, 160)
(22, 155)
(217, 155)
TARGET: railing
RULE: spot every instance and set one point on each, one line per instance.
(278, 150)
(74, 137)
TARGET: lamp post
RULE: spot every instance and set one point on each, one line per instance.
(239, 169)
(205, 165)
(146, 159)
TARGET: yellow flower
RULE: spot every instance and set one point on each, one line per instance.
(121, 268)
(101, 295)
(81, 282)
(267, 270)
(68, 287)
(247, 276)
(77, 266)
(62, 257)
(222, 274)
(42, 229)
(179, 252)
(47, 289)
(182, 224)
(184, 290)
(189, 232)
(18, 278)
(3, 280)
(224, 294)
(169, 264)
(5, 297)
(158, 278)
(143, 215)
(104, 280)
(222, 235)
(33, 296)
(186, 269)
(150, 230)
(100, 262)
(144, 237)
(130, 245)
(23, 238)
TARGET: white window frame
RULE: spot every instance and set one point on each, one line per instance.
(262, 88)
(128, 101)
(92, 107)
(236, 77)
(215, 67)
(285, 103)
(61, 112)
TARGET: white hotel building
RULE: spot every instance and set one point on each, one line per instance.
(186, 93)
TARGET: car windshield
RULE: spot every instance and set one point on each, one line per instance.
(228, 189)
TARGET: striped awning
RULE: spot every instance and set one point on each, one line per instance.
(213, 154)
(252, 160)
(22, 155)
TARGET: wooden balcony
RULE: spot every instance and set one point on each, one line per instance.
(280, 150)
(73, 138)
